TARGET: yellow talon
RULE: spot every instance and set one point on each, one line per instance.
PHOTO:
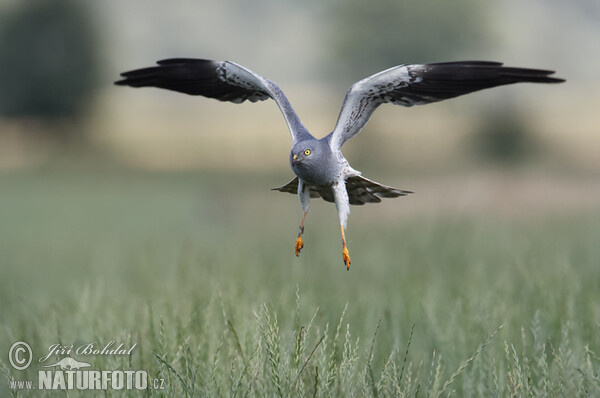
(346, 257)
(299, 245)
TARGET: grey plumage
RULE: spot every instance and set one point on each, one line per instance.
(320, 167)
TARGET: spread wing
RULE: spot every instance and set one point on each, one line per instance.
(409, 85)
(360, 190)
(221, 80)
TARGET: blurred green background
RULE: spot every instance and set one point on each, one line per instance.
(120, 207)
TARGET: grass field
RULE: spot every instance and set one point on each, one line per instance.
(198, 270)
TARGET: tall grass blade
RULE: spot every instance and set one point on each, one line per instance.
(466, 363)
(172, 370)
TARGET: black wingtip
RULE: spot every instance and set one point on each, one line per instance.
(127, 78)
(552, 79)
(493, 72)
(187, 61)
(468, 63)
(533, 75)
(128, 81)
(178, 74)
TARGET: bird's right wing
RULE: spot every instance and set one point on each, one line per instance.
(221, 80)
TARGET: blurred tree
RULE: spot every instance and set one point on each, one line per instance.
(370, 36)
(48, 58)
(503, 138)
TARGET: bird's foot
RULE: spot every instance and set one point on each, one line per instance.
(299, 245)
(346, 257)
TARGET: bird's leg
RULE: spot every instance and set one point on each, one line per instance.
(299, 242)
(342, 204)
(345, 254)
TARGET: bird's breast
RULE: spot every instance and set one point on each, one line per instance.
(313, 174)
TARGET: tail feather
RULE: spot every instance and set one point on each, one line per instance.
(360, 190)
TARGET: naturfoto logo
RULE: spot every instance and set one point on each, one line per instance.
(69, 373)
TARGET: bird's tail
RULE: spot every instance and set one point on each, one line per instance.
(360, 190)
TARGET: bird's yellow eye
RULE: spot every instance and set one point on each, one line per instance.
(307, 152)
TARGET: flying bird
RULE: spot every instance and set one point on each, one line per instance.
(320, 167)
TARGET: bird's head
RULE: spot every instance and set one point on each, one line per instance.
(309, 152)
(311, 160)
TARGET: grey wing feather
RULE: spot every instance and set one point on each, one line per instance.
(409, 85)
(360, 190)
(221, 80)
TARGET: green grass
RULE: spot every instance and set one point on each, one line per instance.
(199, 271)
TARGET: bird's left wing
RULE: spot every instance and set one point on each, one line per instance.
(409, 85)
(221, 80)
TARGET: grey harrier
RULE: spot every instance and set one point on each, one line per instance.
(321, 169)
